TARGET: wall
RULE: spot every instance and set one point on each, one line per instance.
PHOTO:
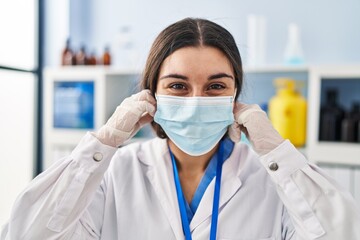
(18, 49)
(328, 27)
(17, 136)
(56, 30)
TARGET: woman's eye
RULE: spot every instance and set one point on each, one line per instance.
(216, 86)
(177, 86)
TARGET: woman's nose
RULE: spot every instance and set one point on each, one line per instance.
(198, 92)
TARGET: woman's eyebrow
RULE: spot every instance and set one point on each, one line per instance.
(220, 75)
(175, 75)
(212, 77)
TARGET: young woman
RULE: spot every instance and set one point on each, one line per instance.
(195, 180)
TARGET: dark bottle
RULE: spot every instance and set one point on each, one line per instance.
(348, 131)
(331, 115)
(106, 58)
(80, 57)
(92, 59)
(355, 115)
(358, 131)
(67, 57)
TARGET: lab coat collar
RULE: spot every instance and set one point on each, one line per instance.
(154, 147)
(230, 184)
(160, 174)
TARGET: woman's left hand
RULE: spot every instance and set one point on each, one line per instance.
(257, 127)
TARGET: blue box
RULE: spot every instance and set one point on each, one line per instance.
(74, 104)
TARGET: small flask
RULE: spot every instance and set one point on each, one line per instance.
(106, 58)
(67, 57)
(92, 59)
(293, 51)
(80, 57)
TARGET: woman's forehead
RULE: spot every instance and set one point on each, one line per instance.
(195, 59)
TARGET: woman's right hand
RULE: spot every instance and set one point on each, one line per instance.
(257, 127)
(133, 113)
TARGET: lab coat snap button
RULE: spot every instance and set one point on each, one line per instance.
(273, 166)
(97, 157)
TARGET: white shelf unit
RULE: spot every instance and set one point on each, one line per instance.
(328, 152)
(109, 81)
(111, 86)
(276, 68)
(338, 153)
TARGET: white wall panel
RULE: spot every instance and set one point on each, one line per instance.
(343, 175)
(18, 39)
(17, 141)
(357, 186)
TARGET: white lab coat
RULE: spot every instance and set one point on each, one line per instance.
(135, 198)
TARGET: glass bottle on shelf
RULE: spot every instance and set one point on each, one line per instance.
(331, 115)
(358, 131)
(67, 57)
(80, 57)
(293, 51)
(106, 58)
(92, 59)
(349, 131)
(355, 112)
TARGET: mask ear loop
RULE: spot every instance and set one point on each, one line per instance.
(233, 102)
(234, 96)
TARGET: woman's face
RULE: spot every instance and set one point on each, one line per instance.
(196, 71)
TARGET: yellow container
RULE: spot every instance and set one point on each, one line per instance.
(287, 111)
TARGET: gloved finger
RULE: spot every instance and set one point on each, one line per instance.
(138, 107)
(144, 95)
(234, 132)
(240, 107)
(142, 121)
(127, 115)
(244, 130)
(243, 111)
(145, 107)
(145, 119)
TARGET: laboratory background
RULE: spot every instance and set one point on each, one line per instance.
(65, 66)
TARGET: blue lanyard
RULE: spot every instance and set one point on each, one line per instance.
(182, 201)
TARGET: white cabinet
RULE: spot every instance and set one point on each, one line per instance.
(258, 88)
(357, 185)
(330, 152)
(343, 175)
(80, 99)
(346, 176)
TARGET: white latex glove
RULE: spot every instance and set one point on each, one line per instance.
(257, 127)
(133, 113)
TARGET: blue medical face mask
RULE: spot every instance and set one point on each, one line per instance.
(194, 124)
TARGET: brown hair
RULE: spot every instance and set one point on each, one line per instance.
(190, 32)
